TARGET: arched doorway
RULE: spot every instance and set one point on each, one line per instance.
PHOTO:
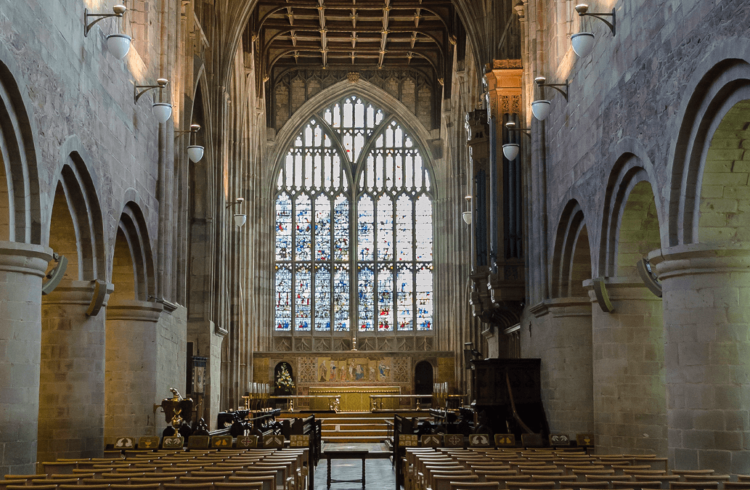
(423, 378)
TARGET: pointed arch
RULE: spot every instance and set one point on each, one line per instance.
(133, 232)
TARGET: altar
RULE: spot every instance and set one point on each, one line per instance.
(353, 398)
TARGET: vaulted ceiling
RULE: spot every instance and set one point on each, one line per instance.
(361, 34)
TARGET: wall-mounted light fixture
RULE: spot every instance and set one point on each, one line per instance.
(467, 214)
(239, 218)
(541, 108)
(162, 110)
(195, 152)
(511, 150)
(583, 42)
(117, 44)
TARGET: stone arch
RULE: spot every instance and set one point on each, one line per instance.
(714, 91)
(20, 200)
(366, 90)
(571, 262)
(630, 221)
(132, 252)
(75, 182)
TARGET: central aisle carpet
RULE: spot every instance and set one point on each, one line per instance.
(380, 473)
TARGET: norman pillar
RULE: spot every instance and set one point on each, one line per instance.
(628, 370)
(706, 293)
(564, 342)
(22, 267)
(71, 391)
(131, 370)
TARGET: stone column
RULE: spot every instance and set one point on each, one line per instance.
(706, 321)
(564, 343)
(131, 369)
(71, 390)
(629, 387)
(22, 267)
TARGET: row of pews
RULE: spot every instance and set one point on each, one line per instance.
(227, 469)
(504, 469)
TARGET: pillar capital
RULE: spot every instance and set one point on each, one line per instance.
(140, 311)
(699, 258)
(24, 258)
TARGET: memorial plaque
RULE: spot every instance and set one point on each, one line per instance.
(125, 443)
(173, 442)
(505, 440)
(559, 440)
(454, 440)
(273, 441)
(408, 440)
(432, 440)
(299, 441)
(221, 442)
(247, 442)
(479, 440)
(198, 442)
(149, 442)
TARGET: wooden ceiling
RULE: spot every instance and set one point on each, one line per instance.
(361, 34)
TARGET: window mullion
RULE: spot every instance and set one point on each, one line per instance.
(293, 326)
(313, 245)
(414, 287)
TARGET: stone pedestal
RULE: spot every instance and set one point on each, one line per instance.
(131, 369)
(628, 369)
(71, 390)
(707, 328)
(565, 347)
(22, 268)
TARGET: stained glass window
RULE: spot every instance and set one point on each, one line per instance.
(353, 255)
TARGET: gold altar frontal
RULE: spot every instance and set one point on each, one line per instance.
(354, 398)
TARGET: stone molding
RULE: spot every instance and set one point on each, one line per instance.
(24, 258)
(622, 289)
(133, 310)
(569, 307)
(699, 258)
(71, 293)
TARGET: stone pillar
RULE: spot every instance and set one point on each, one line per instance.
(22, 267)
(629, 387)
(71, 390)
(706, 321)
(564, 342)
(131, 369)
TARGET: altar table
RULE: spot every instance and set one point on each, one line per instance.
(353, 398)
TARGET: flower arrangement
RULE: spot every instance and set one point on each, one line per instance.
(284, 379)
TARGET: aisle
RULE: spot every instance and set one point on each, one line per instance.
(380, 473)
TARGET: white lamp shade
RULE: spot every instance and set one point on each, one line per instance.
(240, 219)
(510, 150)
(118, 45)
(583, 43)
(195, 153)
(467, 217)
(162, 111)
(541, 109)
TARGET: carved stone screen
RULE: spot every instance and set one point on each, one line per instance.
(353, 256)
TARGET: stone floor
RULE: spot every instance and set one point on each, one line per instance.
(380, 473)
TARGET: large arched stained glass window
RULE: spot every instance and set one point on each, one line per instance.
(353, 255)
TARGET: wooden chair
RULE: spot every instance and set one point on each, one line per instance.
(149, 486)
(59, 467)
(690, 478)
(692, 472)
(697, 485)
(468, 485)
(188, 486)
(102, 481)
(239, 486)
(60, 481)
(634, 471)
(737, 485)
(636, 485)
(517, 485)
(78, 487)
(267, 482)
(664, 479)
(598, 485)
(443, 482)
(559, 480)
(36, 487)
(740, 477)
